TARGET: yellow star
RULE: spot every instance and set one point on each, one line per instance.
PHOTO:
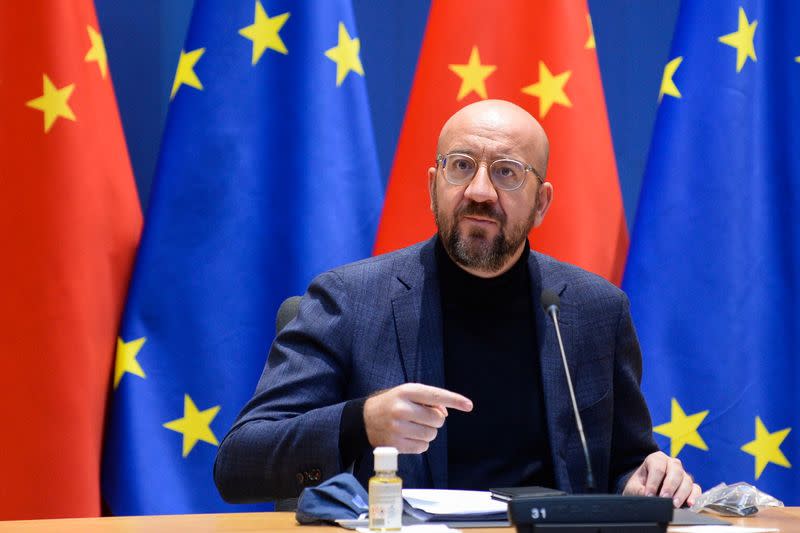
(549, 89)
(345, 55)
(766, 447)
(797, 59)
(195, 425)
(590, 44)
(264, 32)
(185, 75)
(53, 102)
(668, 86)
(682, 430)
(473, 75)
(98, 51)
(742, 40)
(126, 359)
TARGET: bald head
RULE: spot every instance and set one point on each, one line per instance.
(509, 125)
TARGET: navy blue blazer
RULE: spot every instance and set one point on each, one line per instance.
(377, 323)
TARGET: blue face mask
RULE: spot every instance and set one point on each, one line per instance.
(342, 496)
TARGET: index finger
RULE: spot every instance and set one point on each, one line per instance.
(436, 397)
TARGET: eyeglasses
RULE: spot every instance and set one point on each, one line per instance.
(506, 174)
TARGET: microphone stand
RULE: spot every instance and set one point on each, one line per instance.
(552, 310)
(582, 513)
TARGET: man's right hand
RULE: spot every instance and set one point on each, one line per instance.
(408, 416)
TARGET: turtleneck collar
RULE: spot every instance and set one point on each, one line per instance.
(462, 287)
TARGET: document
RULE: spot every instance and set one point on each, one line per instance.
(418, 528)
(453, 505)
(721, 529)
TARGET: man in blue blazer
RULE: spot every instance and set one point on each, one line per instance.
(443, 351)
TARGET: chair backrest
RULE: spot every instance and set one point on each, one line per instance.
(286, 312)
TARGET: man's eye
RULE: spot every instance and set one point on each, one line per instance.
(462, 164)
(506, 172)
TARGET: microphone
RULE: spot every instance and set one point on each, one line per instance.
(550, 304)
(602, 513)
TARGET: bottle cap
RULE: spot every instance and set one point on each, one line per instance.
(385, 458)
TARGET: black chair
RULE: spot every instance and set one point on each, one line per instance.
(286, 313)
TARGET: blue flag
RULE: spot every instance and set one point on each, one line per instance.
(714, 267)
(268, 175)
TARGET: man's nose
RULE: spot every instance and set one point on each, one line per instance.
(481, 188)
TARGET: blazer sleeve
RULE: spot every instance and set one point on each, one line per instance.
(632, 434)
(287, 436)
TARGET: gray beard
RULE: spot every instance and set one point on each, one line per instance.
(474, 250)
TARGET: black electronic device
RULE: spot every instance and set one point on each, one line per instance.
(596, 513)
(582, 513)
(505, 494)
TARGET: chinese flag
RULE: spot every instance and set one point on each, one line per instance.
(541, 56)
(70, 222)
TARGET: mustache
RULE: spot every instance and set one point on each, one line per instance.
(481, 210)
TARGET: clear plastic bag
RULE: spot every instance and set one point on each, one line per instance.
(738, 499)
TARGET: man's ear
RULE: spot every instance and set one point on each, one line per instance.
(544, 199)
(431, 184)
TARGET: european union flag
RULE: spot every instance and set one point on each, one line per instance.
(268, 175)
(714, 267)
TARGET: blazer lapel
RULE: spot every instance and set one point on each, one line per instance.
(554, 383)
(418, 324)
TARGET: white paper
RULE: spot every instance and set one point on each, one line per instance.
(719, 529)
(418, 528)
(454, 502)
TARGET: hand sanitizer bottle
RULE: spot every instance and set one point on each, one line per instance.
(385, 492)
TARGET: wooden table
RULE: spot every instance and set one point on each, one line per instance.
(786, 519)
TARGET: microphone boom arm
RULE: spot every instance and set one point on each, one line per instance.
(590, 486)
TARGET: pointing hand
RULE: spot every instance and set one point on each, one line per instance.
(408, 416)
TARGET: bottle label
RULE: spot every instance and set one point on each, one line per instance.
(385, 506)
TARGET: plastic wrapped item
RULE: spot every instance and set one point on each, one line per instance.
(738, 499)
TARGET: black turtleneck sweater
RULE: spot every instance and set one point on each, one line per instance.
(491, 356)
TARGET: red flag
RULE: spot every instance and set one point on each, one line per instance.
(541, 56)
(70, 222)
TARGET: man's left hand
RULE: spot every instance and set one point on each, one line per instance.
(661, 475)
